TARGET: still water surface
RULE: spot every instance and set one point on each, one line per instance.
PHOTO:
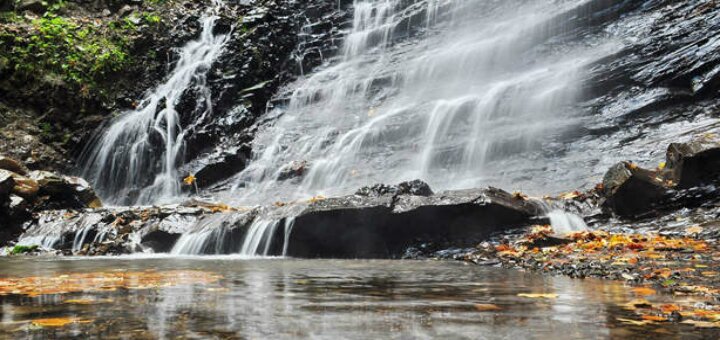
(229, 298)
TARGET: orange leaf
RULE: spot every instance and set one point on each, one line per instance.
(644, 291)
(654, 318)
(57, 322)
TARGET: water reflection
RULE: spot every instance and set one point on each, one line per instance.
(317, 299)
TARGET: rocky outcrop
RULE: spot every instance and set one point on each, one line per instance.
(630, 190)
(23, 193)
(687, 177)
(694, 163)
(356, 226)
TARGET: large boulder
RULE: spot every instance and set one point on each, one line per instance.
(694, 163)
(384, 226)
(9, 164)
(631, 191)
(64, 192)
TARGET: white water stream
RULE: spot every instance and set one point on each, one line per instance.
(478, 86)
(454, 92)
(134, 160)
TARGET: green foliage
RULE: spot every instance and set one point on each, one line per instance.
(151, 18)
(23, 249)
(78, 53)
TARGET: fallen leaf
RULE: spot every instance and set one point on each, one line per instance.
(644, 291)
(86, 301)
(57, 322)
(484, 307)
(634, 322)
(654, 318)
(538, 296)
(189, 180)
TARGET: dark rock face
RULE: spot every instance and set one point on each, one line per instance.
(415, 187)
(689, 177)
(694, 163)
(273, 43)
(385, 226)
(630, 190)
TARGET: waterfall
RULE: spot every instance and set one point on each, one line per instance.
(134, 160)
(457, 93)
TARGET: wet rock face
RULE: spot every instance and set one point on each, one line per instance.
(353, 226)
(689, 177)
(385, 226)
(694, 163)
(630, 190)
(415, 187)
(273, 43)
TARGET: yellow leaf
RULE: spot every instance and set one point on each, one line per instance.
(86, 301)
(538, 296)
(189, 180)
(57, 322)
(662, 165)
(317, 198)
(484, 307)
(634, 322)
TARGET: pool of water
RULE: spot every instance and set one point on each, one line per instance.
(228, 298)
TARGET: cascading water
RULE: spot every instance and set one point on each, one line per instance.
(134, 159)
(457, 93)
(454, 102)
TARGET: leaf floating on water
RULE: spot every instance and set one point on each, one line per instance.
(86, 301)
(654, 318)
(57, 322)
(538, 296)
(644, 291)
(486, 307)
(635, 322)
(102, 282)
